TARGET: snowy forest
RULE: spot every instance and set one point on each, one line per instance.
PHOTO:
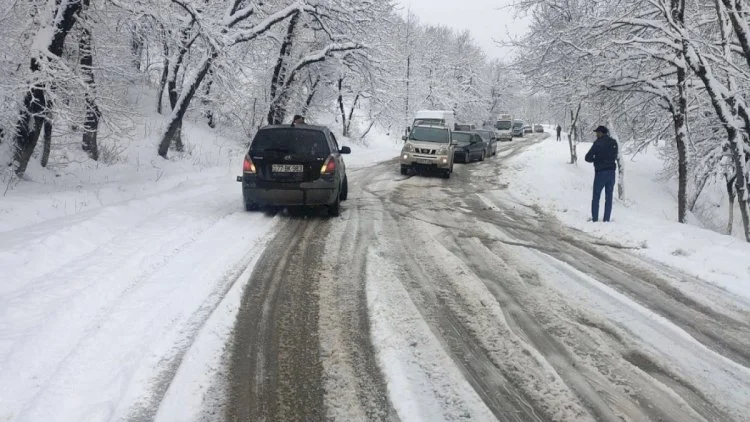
(669, 73)
(69, 65)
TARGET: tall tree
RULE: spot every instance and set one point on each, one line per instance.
(47, 46)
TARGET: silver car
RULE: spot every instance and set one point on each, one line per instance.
(428, 148)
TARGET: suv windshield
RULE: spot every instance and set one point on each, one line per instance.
(429, 134)
(517, 125)
(291, 141)
(502, 125)
(462, 137)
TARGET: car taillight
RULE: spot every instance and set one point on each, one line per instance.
(329, 167)
(248, 166)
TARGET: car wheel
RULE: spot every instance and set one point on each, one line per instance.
(482, 157)
(447, 174)
(344, 189)
(249, 206)
(334, 210)
(404, 170)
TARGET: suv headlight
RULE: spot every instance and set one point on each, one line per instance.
(408, 148)
(442, 150)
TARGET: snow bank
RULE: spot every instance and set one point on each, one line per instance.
(646, 220)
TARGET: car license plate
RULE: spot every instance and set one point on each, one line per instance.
(287, 168)
(424, 161)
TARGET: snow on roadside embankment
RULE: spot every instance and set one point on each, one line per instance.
(646, 220)
(120, 283)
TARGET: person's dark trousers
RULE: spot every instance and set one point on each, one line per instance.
(604, 179)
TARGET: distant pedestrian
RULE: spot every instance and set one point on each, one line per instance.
(298, 120)
(559, 129)
(604, 155)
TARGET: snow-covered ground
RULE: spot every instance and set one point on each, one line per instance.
(121, 282)
(645, 220)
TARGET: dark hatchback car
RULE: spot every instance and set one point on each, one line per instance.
(294, 166)
(490, 143)
(470, 147)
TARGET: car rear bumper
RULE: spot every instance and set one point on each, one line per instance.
(462, 156)
(319, 192)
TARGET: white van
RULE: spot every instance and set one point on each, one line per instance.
(444, 118)
(504, 127)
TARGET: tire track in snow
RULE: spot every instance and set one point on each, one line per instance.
(431, 291)
(355, 388)
(276, 371)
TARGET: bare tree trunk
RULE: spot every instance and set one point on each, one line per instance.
(677, 10)
(32, 117)
(620, 165)
(731, 195)
(182, 103)
(678, 121)
(47, 142)
(341, 106)
(172, 91)
(207, 104)
(351, 113)
(310, 95)
(163, 79)
(91, 121)
(277, 109)
(136, 45)
(408, 78)
(572, 134)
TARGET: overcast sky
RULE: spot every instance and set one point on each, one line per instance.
(488, 20)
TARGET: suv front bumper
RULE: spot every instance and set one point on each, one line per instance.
(426, 161)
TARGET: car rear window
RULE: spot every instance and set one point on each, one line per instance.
(462, 137)
(291, 141)
(484, 134)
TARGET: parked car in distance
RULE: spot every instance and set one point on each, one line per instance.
(294, 166)
(527, 129)
(470, 147)
(428, 148)
(490, 142)
(517, 129)
(538, 128)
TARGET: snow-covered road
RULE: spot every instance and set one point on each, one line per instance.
(427, 300)
(437, 299)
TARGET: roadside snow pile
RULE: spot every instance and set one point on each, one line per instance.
(645, 221)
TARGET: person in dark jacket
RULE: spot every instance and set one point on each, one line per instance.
(559, 129)
(603, 154)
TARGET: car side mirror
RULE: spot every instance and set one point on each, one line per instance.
(345, 150)
(239, 178)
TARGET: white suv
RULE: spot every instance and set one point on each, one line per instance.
(428, 148)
